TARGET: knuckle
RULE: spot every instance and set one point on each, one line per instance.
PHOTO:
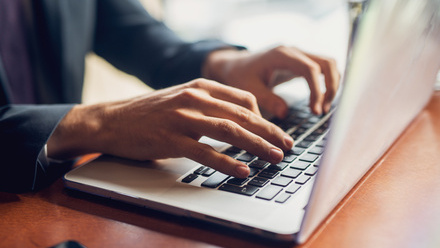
(188, 96)
(179, 115)
(227, 128)
(332, 63)
(284, 50)
(311, 69)
(200, 83)
(249, 99)
(278, 51)
(244, 116)
(281, 48)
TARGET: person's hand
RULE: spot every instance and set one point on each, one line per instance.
(168, 123)
(259, 73)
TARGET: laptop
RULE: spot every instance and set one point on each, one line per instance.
(389, 79)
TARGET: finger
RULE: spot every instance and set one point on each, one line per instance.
(228, 93)
(298, 62)
(206, 155)
(248, 120)
(332, 79)
(316, 96)
(280, 76)
(270, 101)
(232, 133)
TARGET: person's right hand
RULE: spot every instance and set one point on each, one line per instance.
(168, 123)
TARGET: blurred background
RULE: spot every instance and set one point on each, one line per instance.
(317, 26)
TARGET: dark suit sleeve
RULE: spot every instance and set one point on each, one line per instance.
(129, 38)
(24, 131)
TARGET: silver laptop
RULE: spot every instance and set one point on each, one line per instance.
(389, 79)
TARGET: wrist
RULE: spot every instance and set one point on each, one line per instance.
(77, 133)
(218, 63)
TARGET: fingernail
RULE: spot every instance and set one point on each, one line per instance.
(288, 141)
(276, 154)
(242, 170)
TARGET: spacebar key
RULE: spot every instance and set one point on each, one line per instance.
(215, 180)
(245, 190)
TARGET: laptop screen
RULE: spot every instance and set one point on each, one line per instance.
(390, 78)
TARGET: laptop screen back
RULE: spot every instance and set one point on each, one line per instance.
(394, 63)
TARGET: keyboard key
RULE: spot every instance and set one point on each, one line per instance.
(269, 192)
(268, 173)
(304, 144)
(302, 179)
(311, 171)
(215, 180)
(232, 151)
(317, 163)
(294, 136)
(281, 181)
(319, 131)
(314, 119)
(259, 164)
(296, 151)
(309, 157)
(208, 172)
(285, 126)
(321, 143)
(283, 198)
(303, 114)
(300, 131)
(300, 165)
(289, 158)
(293, 188)
(317, 150)
(245, 190)
(201, 170)
(246, 157)
(290, 172)
(307, 125)
(258, 181)
(278, 167)
(293, 121)
(253, 172)
(189, 178)
(237, 181)
(311, 137)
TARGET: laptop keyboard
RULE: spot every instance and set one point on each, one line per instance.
(274, 182)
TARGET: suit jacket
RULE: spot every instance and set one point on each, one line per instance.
(123, 33)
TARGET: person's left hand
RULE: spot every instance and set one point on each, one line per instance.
(258, 73)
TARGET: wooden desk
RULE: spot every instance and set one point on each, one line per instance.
(397, 204)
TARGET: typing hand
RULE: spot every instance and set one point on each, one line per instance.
(168, 123)
(257, 73)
